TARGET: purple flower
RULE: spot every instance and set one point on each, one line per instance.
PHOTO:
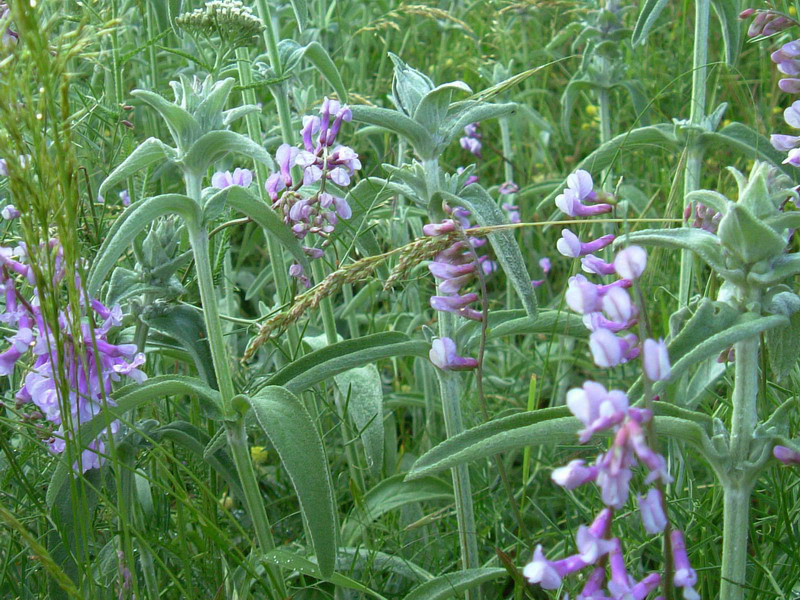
(513, 212)
(591, 264)
(790, 85)
(656, 360)
(594, 321)
(630, 262)
(508, 187)
(785, 58)
(570, 245)
(591, 540)
(457, 305)
(434, 229)
(597, 408)
(651, 508)
(616, 304)
(609, 350)
(784, 143)
(579, 189)
(592, 590)
(574, 474)
(792, 115)
(582, 295)
(296, 270)
(443, 355)
(10, 212)
(223, 179)
(542, 571)
(685, 576)
(471, 142)
(786, 455)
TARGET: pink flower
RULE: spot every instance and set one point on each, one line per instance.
(443, 355)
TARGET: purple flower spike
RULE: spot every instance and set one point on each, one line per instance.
(591, 264)
(591, 540)
(443, 355)
(574, 474)
(597, 408)
(630, 262)
(651, 508)
(786, 455)
(570, 245)
(471, 142)
(656, 360)
(685, 576)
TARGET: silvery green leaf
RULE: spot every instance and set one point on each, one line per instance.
(243, 200)
(135, 219)
(748, 238)
(209, 113)
(293, 434)
(727, 12)
(212, 146)
(186, 326)
(755, 196)
(149, 152)
(391, 494)
(453, 584)
(398, 123)
(409, 86)
(706, 245)
(300, 10)
(123, 284)
(234, 114)
(362, 392)
(784, 267)
(461, 114)
(709, 198)
(504, 323)
(320, 58)
(748, 142)
(783, 347)
(432, 109)
(648, 15)
(290, 53)
(486, 212)
(214, 205)
(183, 127)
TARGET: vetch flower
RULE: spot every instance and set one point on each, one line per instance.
(630, 262)
(10, 212)
(443, 355)
(574, 474)
(223, 179)
(786, 455)
(591, 264)
(569, 244)
(685, 576)
(609, 350)
(651, 508)
(591, 540)
(656, 360)
(597, 408)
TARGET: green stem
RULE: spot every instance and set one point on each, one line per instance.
(235, 429)
(694, 160)
(738, 482)
(279, 90)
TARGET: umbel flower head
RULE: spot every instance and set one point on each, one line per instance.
(231, 20)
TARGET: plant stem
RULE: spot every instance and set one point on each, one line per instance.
(279, 90)
(694, 160)
(738, 482)
(235, 429)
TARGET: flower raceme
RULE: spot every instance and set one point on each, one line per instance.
(86, 357)
(320, 161)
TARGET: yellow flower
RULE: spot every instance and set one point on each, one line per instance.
(226, 502)
(259, 454)
(591, 110)
(792, 11)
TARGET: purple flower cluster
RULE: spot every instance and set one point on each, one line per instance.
(787, 59)
(88, 361)
(321, 160)
(704, 217)
(454, 268)
(767, 22)
(506, 189)
(471, 141)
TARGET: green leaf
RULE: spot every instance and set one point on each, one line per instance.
(245, 202)
(209, 112)
(291, 430)
(463, 113)
(363, 390)
(234, 114)
(300, 9)
(649, 13)
(135, 219)
(451, 584)
(727, 12)
(786, 266)
(503, 323)
(183, 127)
(196, 440)
(331, 360)
(320, 58)
(365, 560)
(749, 143)
(212, 146)
(486, 212)
(432, 109)
(704, 244)
(149, 152)
(568, 99)
(128, 398)
(304, 566)
(748, 238)
(185, 324)
(398, 123)
(390, 494)
(711, 199)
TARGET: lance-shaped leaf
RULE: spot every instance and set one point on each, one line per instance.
(209, 113)
(183, 127)
(212, 146)
(300, 10)
(186, 325)
(149, 152)
(549, 426)
(245, 202)
(390, 494)
(367, 560)
(749, 143)
(135, 219)
(362, 391)
(309, 567)
(704, 244)
(727, 12)
(516, 322)
(398, 123)
(747, 237)
(649, 13)
(128, 398)
(331, 360)
(290, 428)
(452, 584)
(461, 114)
(234, 114)
(432, 109)
(486, 212)
(711, 199)
(320, 58)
